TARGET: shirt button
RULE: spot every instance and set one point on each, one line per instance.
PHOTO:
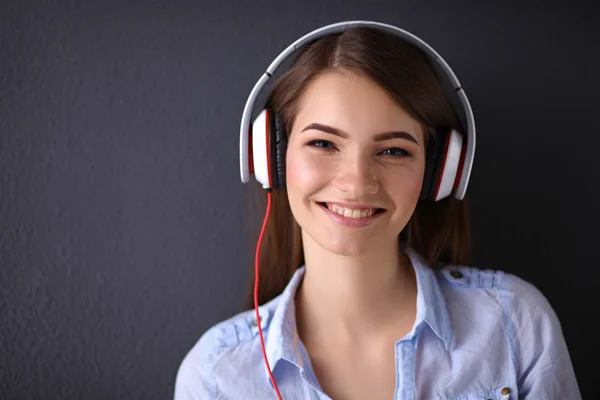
(505, 391)
(456, 274)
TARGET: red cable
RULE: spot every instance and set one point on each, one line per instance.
(256, 263)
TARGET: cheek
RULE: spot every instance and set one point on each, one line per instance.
(303, 173)
(414, 182)
(407, 186)
(413, 189)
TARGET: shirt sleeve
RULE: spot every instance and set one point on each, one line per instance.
(195, 378)
(545, 368)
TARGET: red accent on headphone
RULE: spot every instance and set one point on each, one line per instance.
(461, 164)
(439, 177)
(268, 125)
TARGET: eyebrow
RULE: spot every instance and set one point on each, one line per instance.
(378, 138)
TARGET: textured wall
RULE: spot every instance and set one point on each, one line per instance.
(123, 221)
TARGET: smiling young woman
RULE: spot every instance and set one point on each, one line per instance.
(355, 85)
(365, 288)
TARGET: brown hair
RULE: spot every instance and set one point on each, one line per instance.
(437, 230)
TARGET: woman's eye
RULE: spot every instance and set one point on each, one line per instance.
(327, 145)
(395, 152)
(324, 144)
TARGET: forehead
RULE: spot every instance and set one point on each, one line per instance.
(354, 104)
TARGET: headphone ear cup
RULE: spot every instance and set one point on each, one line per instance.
(260, 149)
(278, 150)
(445, 165)
(432, 165)
(450, 169)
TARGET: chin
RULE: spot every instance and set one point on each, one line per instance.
(346, 249)
(345, 245)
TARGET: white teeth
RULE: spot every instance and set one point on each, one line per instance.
(350, 213)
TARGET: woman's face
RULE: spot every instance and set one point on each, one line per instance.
(353, 151)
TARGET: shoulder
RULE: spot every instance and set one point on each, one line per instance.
(223, 347)
(508, 304)
(514, 294)
(496, 303)
(230, 333)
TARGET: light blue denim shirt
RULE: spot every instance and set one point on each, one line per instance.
(476, 333)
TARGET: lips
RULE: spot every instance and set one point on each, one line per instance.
(359, 218)
(352, 210)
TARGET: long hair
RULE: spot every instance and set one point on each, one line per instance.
(439, 231)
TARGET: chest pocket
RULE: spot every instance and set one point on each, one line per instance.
(503, 393)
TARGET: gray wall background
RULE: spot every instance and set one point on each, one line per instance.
(124, 230)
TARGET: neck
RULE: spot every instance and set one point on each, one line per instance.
(355, 299)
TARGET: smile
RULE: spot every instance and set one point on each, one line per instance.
(351, 212)
(355, 217)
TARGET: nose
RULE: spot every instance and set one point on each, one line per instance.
(357, 176)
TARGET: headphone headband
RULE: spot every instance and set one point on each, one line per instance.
(451, 83)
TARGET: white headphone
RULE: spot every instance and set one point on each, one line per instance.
(449, 162)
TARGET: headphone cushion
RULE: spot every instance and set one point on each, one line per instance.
(433, 165)
(278, 150)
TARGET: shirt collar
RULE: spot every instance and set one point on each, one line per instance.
(431, 303)
(283, 341)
